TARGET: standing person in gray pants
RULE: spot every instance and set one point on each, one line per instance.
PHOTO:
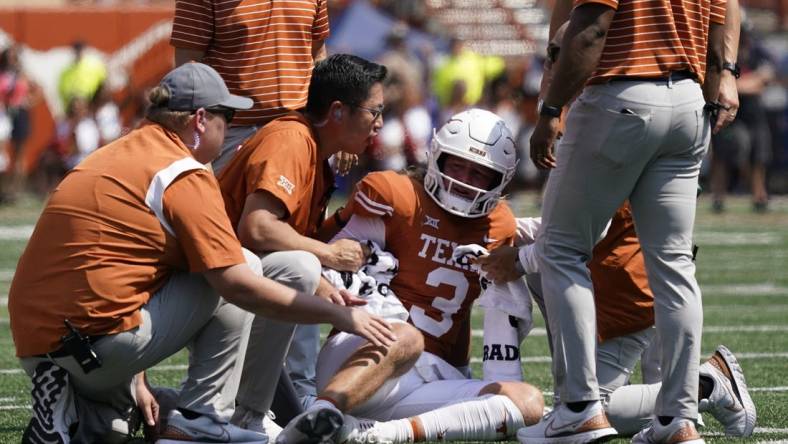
(638, 131)
(276, 190)
(125, 268)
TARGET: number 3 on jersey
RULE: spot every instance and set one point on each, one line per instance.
(447, 307)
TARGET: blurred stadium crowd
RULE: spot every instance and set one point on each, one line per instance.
(443, 56)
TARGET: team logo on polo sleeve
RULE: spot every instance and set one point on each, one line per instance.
(285, 183)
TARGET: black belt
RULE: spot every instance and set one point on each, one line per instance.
(62, 352)
(674, 76)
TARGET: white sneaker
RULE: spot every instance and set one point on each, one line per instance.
(205, 429)
(53, 406)
(272, 429)
(253, 420)
(563, 426)
(729, 401)
(361, 431)
(679, 431)
(316, 426)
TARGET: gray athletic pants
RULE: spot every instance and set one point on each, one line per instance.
(186, 312)
(301, 362)
(270, 339)
(642, 141)
(629, 407)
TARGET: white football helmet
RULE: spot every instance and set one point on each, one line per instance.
(481, 137)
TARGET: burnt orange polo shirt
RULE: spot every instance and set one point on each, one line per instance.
(649, 38)
(283, 159)
(262, 49)
(114, 230)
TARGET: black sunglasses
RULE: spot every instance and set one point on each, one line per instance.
(552, 53)
(227, 113)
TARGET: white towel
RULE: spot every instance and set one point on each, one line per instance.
(512, 298)
(507, 320)
(371, 283)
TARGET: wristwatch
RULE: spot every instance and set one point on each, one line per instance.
(733, 68)
(550, 111)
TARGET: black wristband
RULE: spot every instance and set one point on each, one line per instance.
(550, 111)
(733, 68)
(338, 220)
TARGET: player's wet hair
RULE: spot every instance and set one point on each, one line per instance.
(343, 77)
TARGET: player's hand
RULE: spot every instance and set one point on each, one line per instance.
(729, 99)
(370, 327)
(543, 142)
(351, 300)
(345, 162)
(345, 255)
(329, 293)
(145, 400)
(337, 296)
(500, 264)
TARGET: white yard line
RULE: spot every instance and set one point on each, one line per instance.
(744, 308)
(768, 389)
(20, 232)
(735, 238)
(746, 329)
(526, 359)
(745, 289)
(539, 331)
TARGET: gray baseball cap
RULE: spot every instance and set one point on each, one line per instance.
(196, 85)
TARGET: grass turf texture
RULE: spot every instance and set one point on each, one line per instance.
(742, 267)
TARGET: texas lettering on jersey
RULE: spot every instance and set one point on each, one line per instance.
(437, 291)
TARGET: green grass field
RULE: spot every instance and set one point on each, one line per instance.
(742, 269)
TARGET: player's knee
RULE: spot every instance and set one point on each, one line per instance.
(408, 346)
(527, 398)
(307, 267)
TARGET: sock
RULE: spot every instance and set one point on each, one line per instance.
(705, 387)
(578, 406)
(490, 417)
(398, 431)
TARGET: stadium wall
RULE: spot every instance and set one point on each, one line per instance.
(133, 42)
